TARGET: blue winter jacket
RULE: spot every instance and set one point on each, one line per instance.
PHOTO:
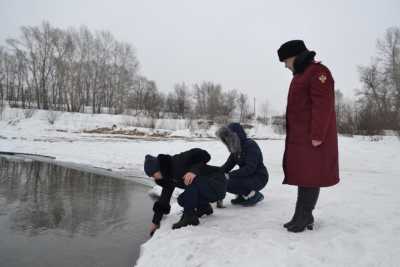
(249, 159)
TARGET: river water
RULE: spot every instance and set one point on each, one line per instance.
(55, 216)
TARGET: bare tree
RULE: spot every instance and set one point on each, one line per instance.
(264, 111)
(389, 58)
(2, 76)
(182, 99)
(212, 102)
(200, 95)
(379, 99)
(243, 105)
(69, 69)
(345, 114)
(229, 103)
(153, 100)
(137, 94)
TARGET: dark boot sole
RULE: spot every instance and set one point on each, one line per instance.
(238, 202)
(288, 225)
(220, 204)
(199, 215)
(253, 204)
(307, 227)
(180, 226)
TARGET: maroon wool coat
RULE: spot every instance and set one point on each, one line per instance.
(310, 115)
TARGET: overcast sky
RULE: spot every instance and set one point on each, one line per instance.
(229, 42)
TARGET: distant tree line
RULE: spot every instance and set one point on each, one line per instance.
(51, 68)
(76, 69)
(205, 100)
(377, 106)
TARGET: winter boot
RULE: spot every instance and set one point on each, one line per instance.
(295, 215)
(220, 204)
(305, 220)
(296, 212)
(238, 200)
(204, 210)
(251, 201)
(186, 219)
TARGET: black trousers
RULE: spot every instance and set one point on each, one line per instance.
(202, 191)
(244, 185)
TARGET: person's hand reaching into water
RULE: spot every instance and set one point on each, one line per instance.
(153, 228)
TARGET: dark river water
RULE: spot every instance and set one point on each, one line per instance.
(54, 216)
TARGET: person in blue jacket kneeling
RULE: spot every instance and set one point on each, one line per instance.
(252, 175)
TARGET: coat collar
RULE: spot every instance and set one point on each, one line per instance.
(302, 61)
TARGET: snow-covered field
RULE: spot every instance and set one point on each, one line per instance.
(357, 221)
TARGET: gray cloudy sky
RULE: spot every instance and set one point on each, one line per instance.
(230, 42)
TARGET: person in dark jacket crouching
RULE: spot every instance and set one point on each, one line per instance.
(188, 170)
(252, 175)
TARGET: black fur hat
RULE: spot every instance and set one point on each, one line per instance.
(290, 49)
(151, 165)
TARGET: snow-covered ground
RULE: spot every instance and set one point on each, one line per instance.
(357, 221)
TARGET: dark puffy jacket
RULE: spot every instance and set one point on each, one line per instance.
(173, 168)
(248, 155)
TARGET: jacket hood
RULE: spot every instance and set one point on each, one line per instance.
(238, 129)
(232, 135)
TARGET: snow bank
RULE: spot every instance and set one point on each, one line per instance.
(37, 123)
(357, 221)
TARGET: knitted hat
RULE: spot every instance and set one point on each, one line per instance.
(290, 49)
(151, 165)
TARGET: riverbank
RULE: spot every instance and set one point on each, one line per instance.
(357, 221)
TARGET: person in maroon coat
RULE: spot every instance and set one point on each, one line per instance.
(310, 160)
